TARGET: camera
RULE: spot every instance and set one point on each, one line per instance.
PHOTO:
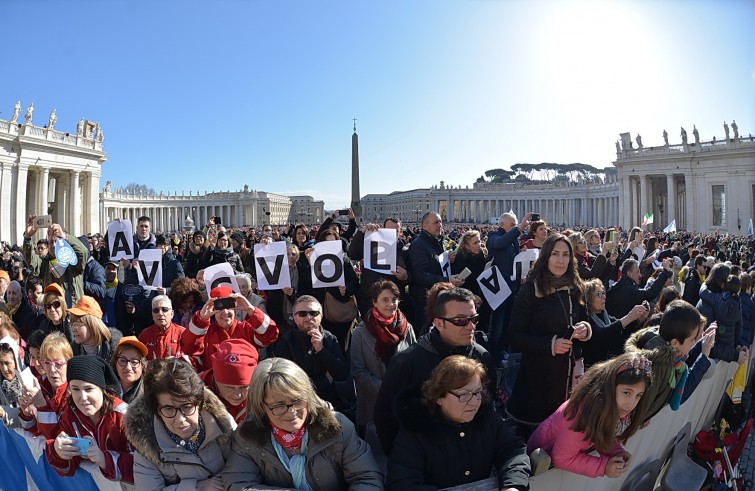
(225, 303)
(343, 212)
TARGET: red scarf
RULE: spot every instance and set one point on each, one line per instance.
(290, 441)
(388, 333)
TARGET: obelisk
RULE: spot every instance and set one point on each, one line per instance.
(355, 196)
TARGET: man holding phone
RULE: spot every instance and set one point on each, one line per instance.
(203, 337)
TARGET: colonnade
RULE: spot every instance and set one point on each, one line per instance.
(171, 218)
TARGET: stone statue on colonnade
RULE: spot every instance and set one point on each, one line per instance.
(80, 128)
(16, 112)
(684, 136)
(726, 130)
(735, 128)
(53, 119)
(696, 134)
(639, 141)
(29, 114)
(665, 137)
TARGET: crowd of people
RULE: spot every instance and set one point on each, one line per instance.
(193, 387)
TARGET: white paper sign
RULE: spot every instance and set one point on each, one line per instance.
(380, 250)
(445, 264)
(523, 262)
(271, 265)
(327, 264)
(220, 274)
(27, 378)
(494, 287)
(120, 240)
(150, 269)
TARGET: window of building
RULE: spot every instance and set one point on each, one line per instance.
(719, 205)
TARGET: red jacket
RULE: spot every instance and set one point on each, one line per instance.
(201, 340)
(162, 344)
(238, 413)
(45, 421)
(110, 435)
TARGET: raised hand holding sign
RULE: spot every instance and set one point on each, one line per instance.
(271, 265)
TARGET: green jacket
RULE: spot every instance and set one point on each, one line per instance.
(73, 279)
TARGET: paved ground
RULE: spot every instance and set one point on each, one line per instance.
(747, 460)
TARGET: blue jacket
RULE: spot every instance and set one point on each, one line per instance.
(727, 312)
(503, 247)
(94, 281)
(748, 321)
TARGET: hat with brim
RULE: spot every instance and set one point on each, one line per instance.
(134, 342)
(55, 288)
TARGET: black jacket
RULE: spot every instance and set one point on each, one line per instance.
(431, 452)
(692, 285)
(172, 269)
(26, 319)
(625, 294)
(424, 266)
(413, 366)
(94, 281)
(214, 256)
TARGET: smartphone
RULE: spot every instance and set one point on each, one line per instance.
(43, 221)
(225, 303)
(535, 217)
(218, 221)
(464, 274)
(83, 444)
(343, 212)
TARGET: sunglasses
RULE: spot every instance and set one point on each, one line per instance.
(54, 305)
(305, 313)
(164, 310)
(462, 321)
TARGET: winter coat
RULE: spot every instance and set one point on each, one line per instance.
(214, 256)
(194, 257)
(476, 264)
(94, 281)
(568, 449)
(367, 369)
(606, 342)
(26, 318)
(337, 459)
(72, 280)
(431, 452)
(503, 247)
(172, 270)
(413, 366)
(748, 320)
(727, 312)
(625, 294)
(202, 338)
(161, 464)
(133, 324)
(424, 266)
(105, 349)
(45, 421)
(324, 368)
(108, 433)
(544, 379)
(692, 283)
(64, 327)
(162, 344)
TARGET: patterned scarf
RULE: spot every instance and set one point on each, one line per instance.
(287, 440)
(388, 332)
(11, 390)
(195, 441)
(680, 368)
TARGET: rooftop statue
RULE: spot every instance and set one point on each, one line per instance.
(29, 114)
(80, 128)
(639, 141)
(53, 119)
(726, 130)
(684, 136)
(696, 134)
(16, 112)
(735, 128)
(665, 137)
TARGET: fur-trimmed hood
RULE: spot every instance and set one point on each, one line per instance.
(195, 249)
(140, 431)
(322, 429)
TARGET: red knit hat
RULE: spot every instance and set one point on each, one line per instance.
(221, 292)
(234, 361)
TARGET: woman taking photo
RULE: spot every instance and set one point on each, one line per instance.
(179, 429)
(222, 252)
(90, 335)
(292, 439)
(548, 326)
(129, 361)
(429, 453)
(383, 333)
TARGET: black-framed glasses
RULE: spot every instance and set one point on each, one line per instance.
(157, 310)
(466, 397)
(171, 411)
(305, 313)
(54, 305)
(462, 321)
(281, 409)
(123, 361)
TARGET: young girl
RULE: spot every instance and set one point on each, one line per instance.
(94, 415)
(605, 409)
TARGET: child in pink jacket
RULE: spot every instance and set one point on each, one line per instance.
(605, 409)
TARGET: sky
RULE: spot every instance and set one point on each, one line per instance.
(209, 96)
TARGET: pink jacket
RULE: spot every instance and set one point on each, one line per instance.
(568, 448)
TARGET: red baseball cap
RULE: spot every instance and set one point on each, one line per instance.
(234, 362)
(221, 292)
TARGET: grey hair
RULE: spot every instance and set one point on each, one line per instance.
(245, 277)
(508, 214)
(164, 298)
(307, 299)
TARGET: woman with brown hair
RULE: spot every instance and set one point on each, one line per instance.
(548, 326)
(186, 299)
(129, 363)
(451, 436)
(179, 429)
(383, 333)
(472, 255)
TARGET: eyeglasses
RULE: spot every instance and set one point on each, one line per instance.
(123, 361)
(600, 294)
(164, 310)
(54, 305)
(305, 313)
(282, 409)
(462, 321)
(57, 364)
(466, 397)
(171, 411)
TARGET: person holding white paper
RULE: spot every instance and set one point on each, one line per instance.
(471, 255)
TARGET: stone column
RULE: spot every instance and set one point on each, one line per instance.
(625, 203)
(690, 192)
(643, 198)
(44, 181)
(671, 200)
(75, 204)
(22, 177)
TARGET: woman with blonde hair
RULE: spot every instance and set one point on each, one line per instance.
(90, 335)
(57, 318)
(293, 439)
(472, 255)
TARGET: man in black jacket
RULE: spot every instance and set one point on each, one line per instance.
(625, 294)
(693, 281)
(453, 334)
(94, 276)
